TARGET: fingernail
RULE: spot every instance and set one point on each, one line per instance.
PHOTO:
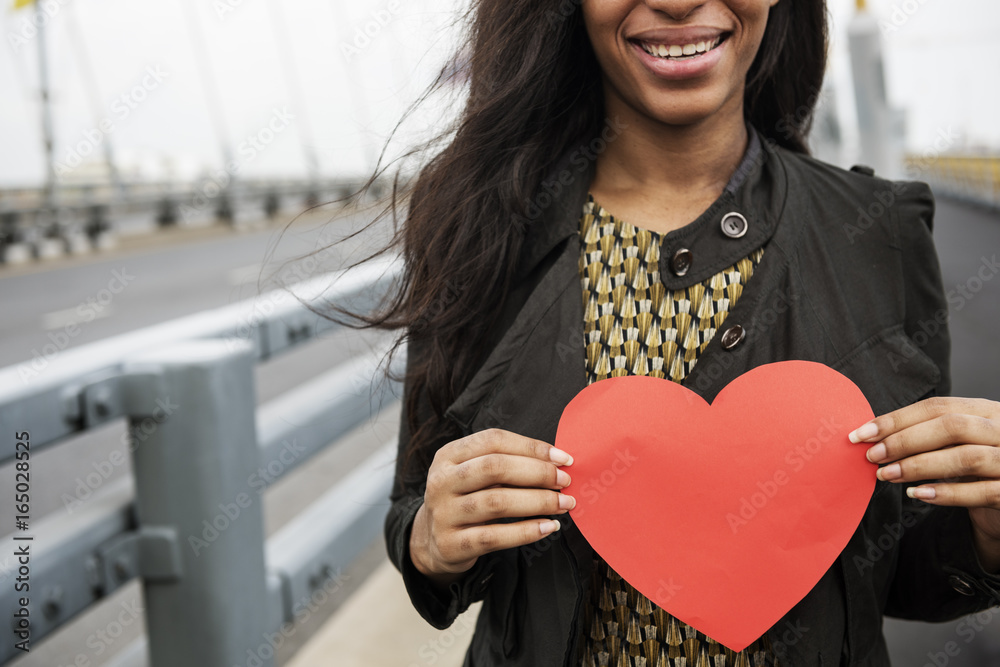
(922, 492)
(866, 432)
(562, 478)
(890, 472)
(547, 527)
(559, 457)
(877, 453)
(566, 502)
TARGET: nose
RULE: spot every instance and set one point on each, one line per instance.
(675, 9)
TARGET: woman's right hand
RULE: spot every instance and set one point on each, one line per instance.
(476, 480)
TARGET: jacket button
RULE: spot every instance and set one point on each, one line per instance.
(961, 585)
(681, 261)
(733, 336)
(734, 225)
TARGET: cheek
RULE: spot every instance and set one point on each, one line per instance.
(602, 19)
(755, 7)
(753, 13)
(754, 19)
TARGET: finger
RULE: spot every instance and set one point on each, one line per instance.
(893, 422)
(967, 494)
(475, 541)
(504, 502)
(960, 461)
(506, 470)
(942, 431)
(498, 441)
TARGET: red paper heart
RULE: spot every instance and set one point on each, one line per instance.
(727, 514)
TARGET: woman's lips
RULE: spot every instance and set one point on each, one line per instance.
(682, 61)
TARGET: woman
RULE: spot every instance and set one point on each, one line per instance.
(628, 192)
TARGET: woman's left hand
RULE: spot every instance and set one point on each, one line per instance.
(956, 440)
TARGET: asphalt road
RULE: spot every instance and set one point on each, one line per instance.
(968, 243)
(143, 283)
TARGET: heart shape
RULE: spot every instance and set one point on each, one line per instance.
(725, 515)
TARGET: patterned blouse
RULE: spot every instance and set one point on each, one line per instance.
(634, 326)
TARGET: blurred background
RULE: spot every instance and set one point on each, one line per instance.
(156, 163)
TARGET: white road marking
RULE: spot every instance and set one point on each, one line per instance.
(85, 312)
(243, 275)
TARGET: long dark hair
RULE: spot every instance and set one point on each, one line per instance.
(534, 92)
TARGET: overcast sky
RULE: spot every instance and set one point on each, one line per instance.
(162, 76)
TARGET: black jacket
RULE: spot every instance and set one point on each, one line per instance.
(849, 278)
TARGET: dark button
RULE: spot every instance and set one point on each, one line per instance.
(863, 169)
(734, 225)
(733, 336)
(681, 261)
(961, 585)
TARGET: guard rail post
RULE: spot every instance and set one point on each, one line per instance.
(200, 544)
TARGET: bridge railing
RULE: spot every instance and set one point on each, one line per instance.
(215, 589)
(83, 216)
(973, 178)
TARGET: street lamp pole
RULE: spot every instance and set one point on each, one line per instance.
(49, 191)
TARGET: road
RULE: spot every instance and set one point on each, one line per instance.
(968, 243)
(142, 283)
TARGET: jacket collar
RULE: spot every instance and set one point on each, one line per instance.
(555, 215)
(759, 192)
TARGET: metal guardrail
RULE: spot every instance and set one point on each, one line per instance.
(214, 587)
(79, 195)
(972, 178)
(82, 213)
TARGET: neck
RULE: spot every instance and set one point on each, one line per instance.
(651, 156)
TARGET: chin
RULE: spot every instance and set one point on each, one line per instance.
(681, 110)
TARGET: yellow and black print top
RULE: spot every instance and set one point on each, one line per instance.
(634, 326)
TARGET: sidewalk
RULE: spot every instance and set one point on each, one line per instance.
(378, 627)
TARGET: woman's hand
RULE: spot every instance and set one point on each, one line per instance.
(952, 439)
(476, 480)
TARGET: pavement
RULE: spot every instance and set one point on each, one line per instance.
(377, 626)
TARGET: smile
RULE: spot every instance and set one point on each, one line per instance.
(681, 51)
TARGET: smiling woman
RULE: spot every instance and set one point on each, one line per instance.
(628, 191)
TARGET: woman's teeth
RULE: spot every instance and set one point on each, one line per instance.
(680, 51)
